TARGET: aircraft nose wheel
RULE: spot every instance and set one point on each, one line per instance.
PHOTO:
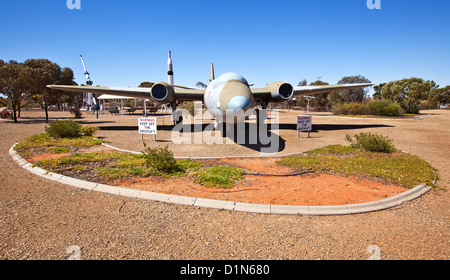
(220, 126)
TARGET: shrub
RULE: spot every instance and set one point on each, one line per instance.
(352, 108)
(69, 129)
(393, 109)
(189, 106)
(411, 106)
(375, 107)
(64, 129)
(161, 160)
(355, 108)
(338, 109)
(371, 142)
(76, 112)
(384, 108)
(88, 130)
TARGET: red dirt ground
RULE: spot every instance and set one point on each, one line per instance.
(307, 189)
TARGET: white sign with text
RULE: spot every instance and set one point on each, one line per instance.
(147, 126)
(304, 123)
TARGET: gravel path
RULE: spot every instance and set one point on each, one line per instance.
(41, 219)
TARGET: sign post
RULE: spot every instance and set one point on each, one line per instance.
(147, 126)
(304, 123)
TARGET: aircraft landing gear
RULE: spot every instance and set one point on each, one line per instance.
(220, 126)
(177, 116)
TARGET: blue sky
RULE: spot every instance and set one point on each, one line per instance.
(126, 42)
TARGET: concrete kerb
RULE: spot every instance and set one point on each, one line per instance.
(226, 205)
(227, 157)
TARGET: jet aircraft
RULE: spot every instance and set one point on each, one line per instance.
(228, 93)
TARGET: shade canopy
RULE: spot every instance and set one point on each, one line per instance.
(108, 96)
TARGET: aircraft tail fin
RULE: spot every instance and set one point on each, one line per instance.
(212, 73)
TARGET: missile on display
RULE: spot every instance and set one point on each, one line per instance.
(170, 69)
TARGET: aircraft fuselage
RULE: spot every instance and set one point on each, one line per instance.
(230, 92)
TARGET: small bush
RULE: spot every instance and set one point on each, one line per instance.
(76, 112)
(161, 160)
(371, 142)
(88, 130)
(64, 129)
(393, 109)
(375, 107)
(189, 106)
(353, 108)
(384, 108)
(357, 109)
(69, 129)
(411, 106)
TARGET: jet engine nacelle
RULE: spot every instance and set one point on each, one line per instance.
(280, 91)
(162, 92)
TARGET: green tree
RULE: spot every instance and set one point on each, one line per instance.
(302, 83)
(439, 96)
(303, 102)
(146, 84)
(14, 84)
(46, 73)
(407, 92)
(445, 96)
(64, 96)
(353, 95)
(377, 89)
(321, 101)
(201, 84)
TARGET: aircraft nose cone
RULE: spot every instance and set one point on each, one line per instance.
(239, 103)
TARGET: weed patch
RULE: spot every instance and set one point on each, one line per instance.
(45, 142)
(59, 150)
(110, 166)
(218, 176)
(399, 168)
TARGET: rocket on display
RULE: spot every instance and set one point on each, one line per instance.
(170, 69)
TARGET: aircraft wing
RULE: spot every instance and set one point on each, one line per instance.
(272, 91)
(312, 90)
(180, 93)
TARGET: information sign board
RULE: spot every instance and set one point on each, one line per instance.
(147, 126)
(304, 123)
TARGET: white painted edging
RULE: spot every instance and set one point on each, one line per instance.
(226, 205)
(227, 157)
